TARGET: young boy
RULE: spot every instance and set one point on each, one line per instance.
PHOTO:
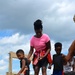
(24, 63)
(58, 60)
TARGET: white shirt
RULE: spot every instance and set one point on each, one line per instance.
(68, 67)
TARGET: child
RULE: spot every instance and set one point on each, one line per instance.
(24, 63)
(58, 60)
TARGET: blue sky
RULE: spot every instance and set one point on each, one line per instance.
(16, 25)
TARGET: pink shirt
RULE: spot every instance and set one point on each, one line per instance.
(39, 43)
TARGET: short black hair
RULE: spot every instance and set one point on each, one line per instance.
(38, 24)
(58, 44)
(19, 51)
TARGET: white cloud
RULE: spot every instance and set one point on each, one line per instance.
(3, 68)
(2, 62)
(19, 15)
(13, 43)
(14, 39)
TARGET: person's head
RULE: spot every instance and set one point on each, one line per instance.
(58, 47)
(38, 27)
(20, 54)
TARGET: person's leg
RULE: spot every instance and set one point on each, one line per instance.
(44, 71)
(71, 50)
(44, 66)
(36, 70)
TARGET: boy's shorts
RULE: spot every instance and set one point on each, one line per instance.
(55, 72)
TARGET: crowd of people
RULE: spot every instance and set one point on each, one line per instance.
(40, 47)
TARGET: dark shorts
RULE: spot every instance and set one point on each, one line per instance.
(55, 72)
(42, 63)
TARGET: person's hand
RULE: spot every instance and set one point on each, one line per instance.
(26, 68)
(50, 65)
(41, 57)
